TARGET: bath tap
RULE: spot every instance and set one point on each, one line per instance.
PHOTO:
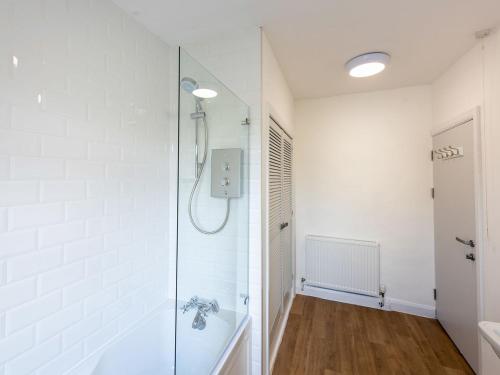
(199, 321)
(204, 307)
(193, 302)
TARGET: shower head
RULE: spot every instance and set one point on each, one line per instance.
(189, 84)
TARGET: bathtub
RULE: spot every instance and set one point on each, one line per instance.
(149, 348)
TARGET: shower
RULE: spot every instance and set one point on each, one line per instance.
(189, 85)
(212, 234)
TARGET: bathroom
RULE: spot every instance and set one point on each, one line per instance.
(212, 188)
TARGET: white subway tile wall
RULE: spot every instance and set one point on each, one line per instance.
(84, 156)
(208, 266)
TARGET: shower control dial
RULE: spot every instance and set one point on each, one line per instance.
(226, 172)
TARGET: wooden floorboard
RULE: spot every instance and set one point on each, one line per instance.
(330, 338)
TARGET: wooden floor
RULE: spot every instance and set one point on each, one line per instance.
(329, 338)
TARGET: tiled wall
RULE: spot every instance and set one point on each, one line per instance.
(84, 103)
(235, 59)
(212, 266)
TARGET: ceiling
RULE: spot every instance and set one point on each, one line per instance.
(313, 39)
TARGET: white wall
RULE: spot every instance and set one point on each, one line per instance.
(459, 89)
(491, 278)
(474, 80)
(276, 95)
(83, 180)
(235, 60)
(491, 363)
(363, 171)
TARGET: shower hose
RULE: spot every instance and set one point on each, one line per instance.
(195, 186)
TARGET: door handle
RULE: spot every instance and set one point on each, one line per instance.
(471, 257)
(468, 243)
(283, 226)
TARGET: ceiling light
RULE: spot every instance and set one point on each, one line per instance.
(368, 64)
(205, 93)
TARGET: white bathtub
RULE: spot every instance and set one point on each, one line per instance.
(149, 349)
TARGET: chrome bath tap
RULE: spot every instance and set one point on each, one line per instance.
(204, 307)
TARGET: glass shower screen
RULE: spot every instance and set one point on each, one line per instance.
(213, 211)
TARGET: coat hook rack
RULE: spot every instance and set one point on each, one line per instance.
(449, 152)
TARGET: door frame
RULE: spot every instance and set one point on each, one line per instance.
(480, 199)
(270, 114)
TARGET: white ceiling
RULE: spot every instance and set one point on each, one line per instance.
(313, 39)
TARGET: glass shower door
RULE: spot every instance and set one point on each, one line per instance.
(213, 211)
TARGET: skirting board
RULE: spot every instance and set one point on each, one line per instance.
(407, 307)
(281, 332)
(391, 304)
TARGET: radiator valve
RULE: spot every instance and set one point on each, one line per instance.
(381, 293)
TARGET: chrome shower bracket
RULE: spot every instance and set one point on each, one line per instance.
(197, 115)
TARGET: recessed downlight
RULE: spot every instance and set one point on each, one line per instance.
(205, 93)
(368, 64)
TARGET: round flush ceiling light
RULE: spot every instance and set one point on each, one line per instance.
(205, 93)
(368, 64)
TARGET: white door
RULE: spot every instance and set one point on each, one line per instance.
(280, 221)
(455, 238)
(286, 209)
(275, 180)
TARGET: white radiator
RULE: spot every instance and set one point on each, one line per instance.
(343, 264)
